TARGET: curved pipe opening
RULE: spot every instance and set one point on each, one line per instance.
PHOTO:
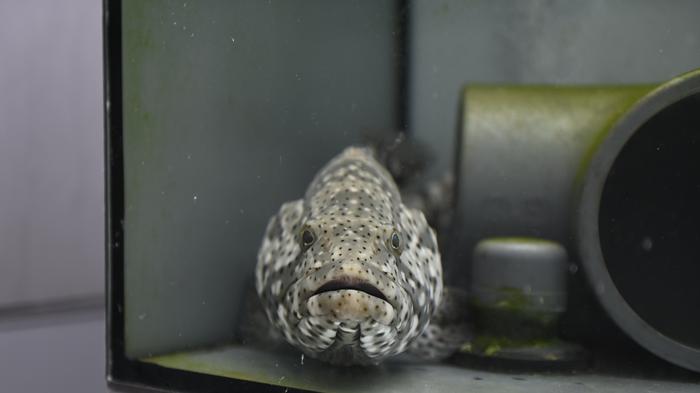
(649, 221)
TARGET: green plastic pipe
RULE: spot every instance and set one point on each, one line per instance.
(579, 165)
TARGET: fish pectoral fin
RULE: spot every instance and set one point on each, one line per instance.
(254, 327)
(449, 328)
(438, 342)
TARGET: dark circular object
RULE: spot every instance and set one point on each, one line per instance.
(638, 222)
(395, 241)
(307, 238)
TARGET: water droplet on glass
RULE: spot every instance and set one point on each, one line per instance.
(302, 359)
(194, 198)
(647, 244)
(573, 268)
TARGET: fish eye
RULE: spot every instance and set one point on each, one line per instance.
(307, 237)
(395, 242)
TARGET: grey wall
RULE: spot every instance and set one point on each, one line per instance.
(455, 42)
(51, 196)
(230, 108)
(54, 352)
(51, 186)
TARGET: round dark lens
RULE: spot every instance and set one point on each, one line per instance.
(395, 241)
(307, 237)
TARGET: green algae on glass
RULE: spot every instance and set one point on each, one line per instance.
(490, 345)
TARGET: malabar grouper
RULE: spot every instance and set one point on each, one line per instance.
(350, 275)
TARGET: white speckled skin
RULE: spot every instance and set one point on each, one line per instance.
(352, 209)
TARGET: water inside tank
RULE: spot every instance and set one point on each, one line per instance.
(298, 188)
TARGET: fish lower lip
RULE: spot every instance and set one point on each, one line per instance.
(363, 286)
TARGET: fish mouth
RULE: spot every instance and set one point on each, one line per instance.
(351, 283)
(350, 300)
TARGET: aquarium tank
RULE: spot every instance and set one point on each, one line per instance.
(413, 196)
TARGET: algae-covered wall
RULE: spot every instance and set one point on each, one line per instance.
(229, 109)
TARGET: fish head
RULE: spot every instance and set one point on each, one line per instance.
(348, 287)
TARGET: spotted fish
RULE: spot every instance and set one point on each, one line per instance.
(348, 274)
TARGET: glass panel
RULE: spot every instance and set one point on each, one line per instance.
(504, 221)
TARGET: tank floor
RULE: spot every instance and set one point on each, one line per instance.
(292, 370)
